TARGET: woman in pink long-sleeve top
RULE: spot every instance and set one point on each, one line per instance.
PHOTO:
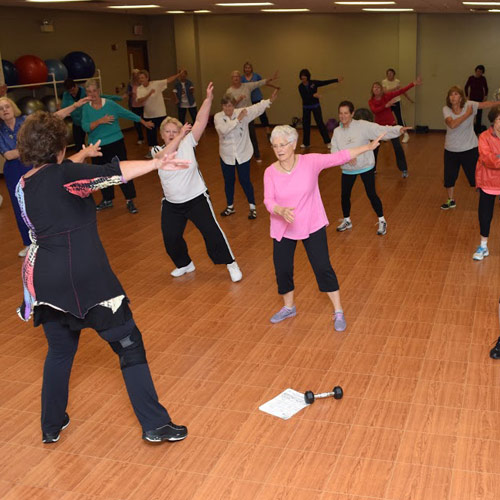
(291, 194)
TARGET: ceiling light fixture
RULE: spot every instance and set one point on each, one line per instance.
(202, 11)
(175, 11)
(285, 10)
(388, 10)
(481, 3)
(365, 3)
(245, 4)
(150, 6)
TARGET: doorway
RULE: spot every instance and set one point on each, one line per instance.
(137, 53)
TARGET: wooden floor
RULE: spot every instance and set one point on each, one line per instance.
(420, 416)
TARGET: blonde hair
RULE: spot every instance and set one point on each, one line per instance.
(170, 119)
(17, 111)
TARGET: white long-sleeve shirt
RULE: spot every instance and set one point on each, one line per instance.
(360, 133)
(234, 138)
(245, 90)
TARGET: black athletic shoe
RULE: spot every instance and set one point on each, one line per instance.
(104, 204)
(169, 432)
(495, 352)
(53, 438)
(131, 207)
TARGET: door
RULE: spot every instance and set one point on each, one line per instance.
(137, 52)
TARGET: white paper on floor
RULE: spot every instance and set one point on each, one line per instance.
(285, 405)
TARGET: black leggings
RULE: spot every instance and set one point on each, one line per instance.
(199, 210)
(453, 160)
(398, 151)
(109, 151)
(368, 179)
(138, 125)
(485, 212)
(317, 252)
(126, 341)
(306, 125)
(396, 109)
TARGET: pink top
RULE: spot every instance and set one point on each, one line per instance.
(299, 190)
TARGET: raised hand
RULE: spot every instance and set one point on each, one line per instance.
(274, 95)
(376, 143)
(210, 91)
(186, 128)
(418, 81)
(340, 79)
(170, 162)
(242, 114)
(82, 101)
(92, 150)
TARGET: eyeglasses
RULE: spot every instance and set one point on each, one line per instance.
(277, 146)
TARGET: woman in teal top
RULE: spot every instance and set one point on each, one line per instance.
(100, 120)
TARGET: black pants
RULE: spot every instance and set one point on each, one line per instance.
(398, 151)
(453, 160)
(317, 252)
(199, 210)
(182, 113)
(485, 212)
(63, 344)
(253, 139)
(477, 122)
(78, 136)
(368, 179)
(396, 109)
(152, 134)
(139, 111)
(306, 125)
(264, 120)
(108, 153)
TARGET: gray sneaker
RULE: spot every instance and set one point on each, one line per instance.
(339, 322)
(284, 313)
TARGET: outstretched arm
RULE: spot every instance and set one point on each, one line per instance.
(64, 112)
(203, 114)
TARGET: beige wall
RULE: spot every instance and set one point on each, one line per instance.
(449, 48)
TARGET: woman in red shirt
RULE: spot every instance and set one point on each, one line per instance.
(380, 103)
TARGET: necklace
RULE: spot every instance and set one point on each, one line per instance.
(288, 171)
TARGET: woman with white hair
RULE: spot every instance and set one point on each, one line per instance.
(186, 197)
(291, 194)
(235, 148)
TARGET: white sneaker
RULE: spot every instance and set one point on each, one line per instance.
(480, 253)
(179, 271)
(140, 142)
(345, 224)
(303, 146)
(23, 252)
(234, 271)
(329, 146)
(405, 138)
(382, 227)
(1, 200)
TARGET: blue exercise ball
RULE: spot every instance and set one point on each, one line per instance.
(10, 73)
(79, 65)
(57, 67)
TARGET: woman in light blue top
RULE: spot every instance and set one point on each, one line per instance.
(100, 121)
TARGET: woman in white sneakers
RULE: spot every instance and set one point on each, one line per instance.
(353, 133)
(186, 197)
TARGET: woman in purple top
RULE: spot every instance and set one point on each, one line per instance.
(291, 195)
(476, 89)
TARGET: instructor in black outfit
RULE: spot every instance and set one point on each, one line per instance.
(308, 90)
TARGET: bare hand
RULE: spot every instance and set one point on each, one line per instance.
(170, 162)
(404, 130)
(92, 150)
(152, 91)
(186, 128)
(353, 162)
(243, 113)
(82, 101)
(376, 143)
(274, 95)
(418, 81)
(3, 90)
(340, 79)
(148, 124)
(210, 91)
(107, 119)
(240, 98)
(286, 213)
(316, 95)
(391, 102)
(274, 77)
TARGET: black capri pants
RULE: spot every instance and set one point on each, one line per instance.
(317, 252)
(453, 160)
(368, 179)
(485, 212)
(109, 151)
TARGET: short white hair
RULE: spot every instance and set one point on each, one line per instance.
(286, 131)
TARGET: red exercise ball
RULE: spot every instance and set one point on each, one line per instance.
(31, 69)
